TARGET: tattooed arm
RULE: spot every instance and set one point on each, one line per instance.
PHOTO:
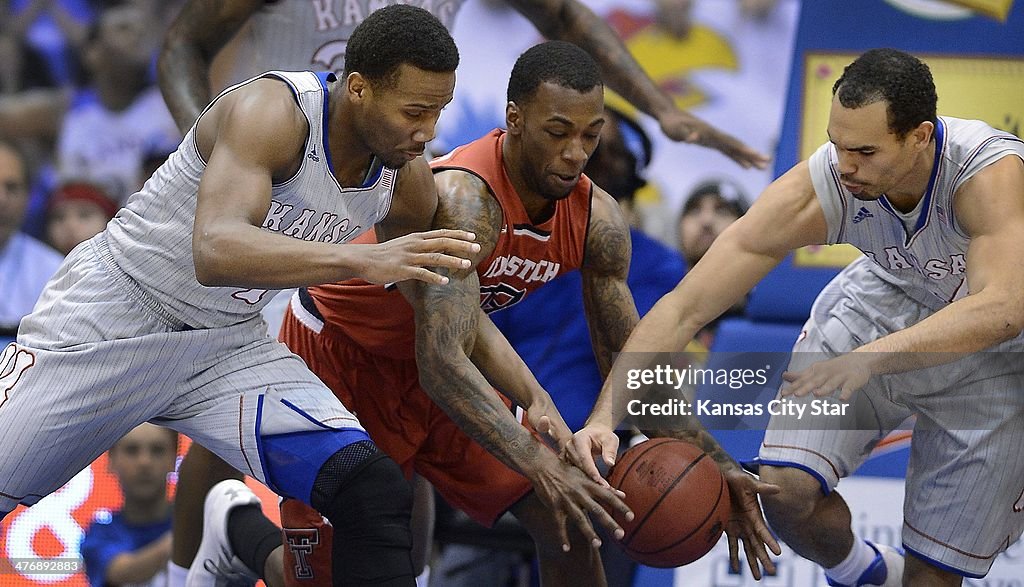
(506, 371)
(607, 301)
(446, 325)
(570, 20)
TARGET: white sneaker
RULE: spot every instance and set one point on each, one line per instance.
(215, 564)
(894, 560)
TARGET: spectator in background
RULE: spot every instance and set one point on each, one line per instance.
(77, 211)
(104, 130)
(133, 546)
(111, 127)
(709, 210)
(39, 40)
(25, 263)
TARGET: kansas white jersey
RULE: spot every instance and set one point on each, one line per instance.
(151, 238)
(312, 34)
(924, 251)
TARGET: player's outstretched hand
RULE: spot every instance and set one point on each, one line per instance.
(845, 374)
(572, 498)
(544, 417)
(409, 256)
(679, 125)
(587, 444)
(746, 523)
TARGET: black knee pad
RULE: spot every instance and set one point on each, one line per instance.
(369, 502)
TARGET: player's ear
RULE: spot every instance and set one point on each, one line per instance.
(922, 135)
(513, 118)
(356, 86)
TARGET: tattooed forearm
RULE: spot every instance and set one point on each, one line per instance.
(611, 312)
(446, 326)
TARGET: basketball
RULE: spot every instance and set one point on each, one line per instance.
(679, 498)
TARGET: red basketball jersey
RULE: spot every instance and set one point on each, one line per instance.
(525, 257)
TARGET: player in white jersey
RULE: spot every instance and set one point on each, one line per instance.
(157, 318)
(937, 205)
(308, 34)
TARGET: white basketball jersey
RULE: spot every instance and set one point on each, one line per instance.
(925, 250)
(151, 238)
(312, 34)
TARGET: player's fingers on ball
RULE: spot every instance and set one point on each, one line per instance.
(612, 499)
(755, 567)
(734, 553)
(608, 454)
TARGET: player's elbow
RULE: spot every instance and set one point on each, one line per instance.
(1011, 324)
(209, 260)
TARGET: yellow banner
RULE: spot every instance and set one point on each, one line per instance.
(983, 88)
(825, 256)
(997, 9)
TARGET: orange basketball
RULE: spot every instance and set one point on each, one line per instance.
(679, 498)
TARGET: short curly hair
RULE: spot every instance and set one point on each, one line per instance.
(899, 78)
(399, 34)
(558, 62)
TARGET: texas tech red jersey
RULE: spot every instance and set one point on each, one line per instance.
(525, 257)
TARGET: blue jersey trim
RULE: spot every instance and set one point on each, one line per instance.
(922, 218)
(754, 464)
(941, 565)
(259, 447)
(325, 77)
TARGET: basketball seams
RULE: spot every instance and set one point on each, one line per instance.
(664, 494)
(636, 528)
(698, 528)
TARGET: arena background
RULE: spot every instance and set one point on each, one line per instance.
(978, 60)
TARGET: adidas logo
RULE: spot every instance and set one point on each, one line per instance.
(862, 214)
(312, 155)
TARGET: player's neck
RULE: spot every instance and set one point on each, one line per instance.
(350, 158)
(912, 187)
